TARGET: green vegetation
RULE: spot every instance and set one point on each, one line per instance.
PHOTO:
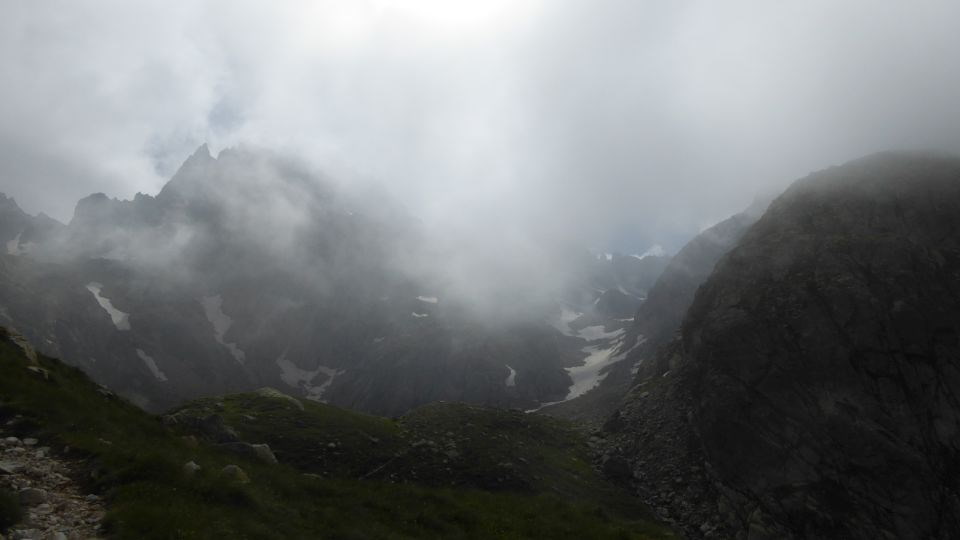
(10, 512)
(136, 463)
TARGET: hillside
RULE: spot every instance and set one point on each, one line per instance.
(158, 483)
(813, 390)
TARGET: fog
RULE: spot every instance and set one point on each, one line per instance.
(615, 124)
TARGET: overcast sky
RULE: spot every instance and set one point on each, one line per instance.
(616, 122)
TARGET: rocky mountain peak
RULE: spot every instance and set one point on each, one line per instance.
(813, 388)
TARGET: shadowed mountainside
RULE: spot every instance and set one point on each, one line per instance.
(814, 391)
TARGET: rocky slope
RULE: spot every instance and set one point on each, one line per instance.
(813, 390)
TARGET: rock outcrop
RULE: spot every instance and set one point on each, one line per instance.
(814, 391)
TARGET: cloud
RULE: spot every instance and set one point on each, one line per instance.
(617, 123)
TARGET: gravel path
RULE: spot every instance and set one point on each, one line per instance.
(54, 506)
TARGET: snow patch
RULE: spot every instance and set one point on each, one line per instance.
(428, 299)
(594, 333)
(589, 375)
(151, 365)
(302, 379)
(511, 378)
(13, 246)
(213, 308)
(655, 250)
(120, 319)
(419, 315)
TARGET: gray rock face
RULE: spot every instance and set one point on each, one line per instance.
(814, 391)
(658, 317)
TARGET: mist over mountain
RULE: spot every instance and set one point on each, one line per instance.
(625, 269)
(248, 270)
(810, 390)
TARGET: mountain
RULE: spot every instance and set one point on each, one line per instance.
(249, 269)
(813, 389)
(78, 461)
(658, 314)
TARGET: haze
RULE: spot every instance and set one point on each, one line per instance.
(616, 123)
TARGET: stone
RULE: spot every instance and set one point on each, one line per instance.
(190, 441)
(29, 441)
(264, 453)
(235, 474)
(190, 468)
(260, 452)
(32, 496)
(40, 372)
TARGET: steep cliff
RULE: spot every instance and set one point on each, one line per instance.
(814, 391)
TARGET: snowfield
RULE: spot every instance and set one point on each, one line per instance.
(297, 377)
(213, 308)
(151, 365)
(120, 319)
(589, 375)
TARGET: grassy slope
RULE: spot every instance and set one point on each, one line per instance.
(136, 463)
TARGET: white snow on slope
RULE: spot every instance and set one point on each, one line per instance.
(589, 375)
(120, 319)
(419, 315)
(593, 333)
(428, 299)
(13, 246)
(151, 365)
(302, 379)
(585, 377)
(655, 251)
(213, 307)
(511, 378)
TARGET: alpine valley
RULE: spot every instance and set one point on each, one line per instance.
(258, 352)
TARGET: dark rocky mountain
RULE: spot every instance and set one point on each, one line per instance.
(657, 316)
(813, 389)
(251, 270)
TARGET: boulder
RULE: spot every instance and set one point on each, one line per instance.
(32, 496)
(235, 474)
(190, 468)
(260, 452)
